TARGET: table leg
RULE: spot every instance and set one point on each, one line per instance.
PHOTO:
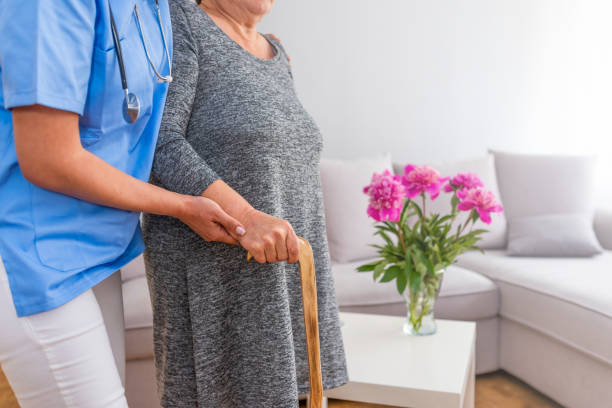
(468, 399)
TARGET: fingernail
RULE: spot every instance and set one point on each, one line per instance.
(240, 230)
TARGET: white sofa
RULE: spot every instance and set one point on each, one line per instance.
(547, 321)
(555, 322)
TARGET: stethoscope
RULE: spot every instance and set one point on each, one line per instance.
(131, 103)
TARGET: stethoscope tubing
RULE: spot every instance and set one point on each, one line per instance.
(119, 52)
(160, 77)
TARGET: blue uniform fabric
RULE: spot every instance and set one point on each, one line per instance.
(61, 54)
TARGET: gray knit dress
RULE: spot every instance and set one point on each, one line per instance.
(230, 333)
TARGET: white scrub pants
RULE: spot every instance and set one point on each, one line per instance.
(64, 357)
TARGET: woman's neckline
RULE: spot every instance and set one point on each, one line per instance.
(240, 47)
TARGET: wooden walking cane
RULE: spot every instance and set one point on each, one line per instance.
(311, 321)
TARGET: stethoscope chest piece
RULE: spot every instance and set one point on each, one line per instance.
(164, 79)
(131, 107)
(131, 103)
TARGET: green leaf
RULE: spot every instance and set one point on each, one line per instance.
(391, 252)
(417, 209)
(387, 228)
(476, 248)
(404, 212)
(407, 268)
(385, 237)
(401, 282)
(391, 273)
(426, 262)
(389, 224)
(368, 267)
(415, 280)
(379, 269)
(443, 219)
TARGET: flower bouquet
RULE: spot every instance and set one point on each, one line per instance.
(419, 245)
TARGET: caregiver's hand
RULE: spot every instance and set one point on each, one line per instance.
(209, 221)
(269, 239)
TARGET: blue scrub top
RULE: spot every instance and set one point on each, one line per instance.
(61, 54)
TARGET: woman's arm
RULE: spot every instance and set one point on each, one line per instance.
(51, 156)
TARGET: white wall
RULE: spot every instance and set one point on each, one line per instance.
(434, 80)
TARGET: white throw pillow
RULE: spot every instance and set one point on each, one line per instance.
(349, 229)
(548, 199)
(484, 168)
(555, 235)
(533, 184)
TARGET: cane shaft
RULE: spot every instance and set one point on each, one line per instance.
(311, 321)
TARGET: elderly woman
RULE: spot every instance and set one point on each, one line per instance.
(230, 333)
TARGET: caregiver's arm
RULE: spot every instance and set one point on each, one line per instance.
(51, 156)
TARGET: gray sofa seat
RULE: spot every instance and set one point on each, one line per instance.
(567, 299)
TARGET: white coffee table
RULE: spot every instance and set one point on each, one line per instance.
(387, 367)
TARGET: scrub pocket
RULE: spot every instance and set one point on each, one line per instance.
(73, 234)
(103, 114)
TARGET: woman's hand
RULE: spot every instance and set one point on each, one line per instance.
(209, 221)
(269, 239)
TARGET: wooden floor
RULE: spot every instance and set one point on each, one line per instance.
(496, 390)
(7, 400)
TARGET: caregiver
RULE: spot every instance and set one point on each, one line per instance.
(82, 91)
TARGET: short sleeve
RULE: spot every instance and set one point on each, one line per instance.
(46, 52)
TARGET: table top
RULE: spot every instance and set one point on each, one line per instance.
(380, 355)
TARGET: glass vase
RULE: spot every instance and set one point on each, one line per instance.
(420, 320)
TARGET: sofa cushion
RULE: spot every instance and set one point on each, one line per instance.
(138, 316)
(467, 295)
(133, 270)
(464, 294)
(533, 184)
(484, 168)
(553, 235)
(603, 227)
(565, 298)
(349, 229)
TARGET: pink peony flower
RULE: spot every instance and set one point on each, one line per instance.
(481, 200)
(463, 181)
(421, 179)
(387, 194)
